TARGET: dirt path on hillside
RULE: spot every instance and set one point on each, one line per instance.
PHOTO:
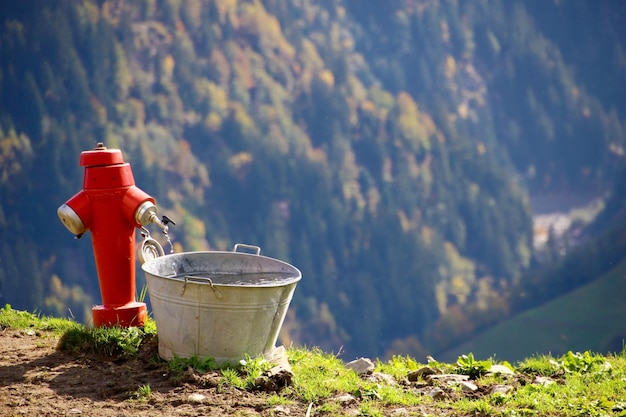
(38, 380)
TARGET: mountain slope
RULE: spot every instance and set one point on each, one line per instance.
(588, 318)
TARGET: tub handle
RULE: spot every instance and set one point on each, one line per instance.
(201, 280)
(256, 249)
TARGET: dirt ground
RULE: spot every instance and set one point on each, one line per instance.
(38, 380)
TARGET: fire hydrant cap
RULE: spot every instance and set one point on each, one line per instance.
(100, 156)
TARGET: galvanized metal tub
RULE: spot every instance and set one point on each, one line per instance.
(224, 305)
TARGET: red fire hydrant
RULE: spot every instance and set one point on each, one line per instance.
(111, 207)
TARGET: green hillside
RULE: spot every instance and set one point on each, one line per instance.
(589, 318)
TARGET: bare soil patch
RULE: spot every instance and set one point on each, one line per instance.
(38, 380)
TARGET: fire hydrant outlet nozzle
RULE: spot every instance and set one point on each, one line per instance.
(71, 220)
(110, 206)
(147, 213)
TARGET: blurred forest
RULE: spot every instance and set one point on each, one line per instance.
(389, 150)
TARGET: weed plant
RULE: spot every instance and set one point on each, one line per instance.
(143, 393)
(242, 375)
(468, 365)
(179, 364)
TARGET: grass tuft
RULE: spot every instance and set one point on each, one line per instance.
(108, 341)
(143, 393)
(23, 320)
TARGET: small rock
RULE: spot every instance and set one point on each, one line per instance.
(280, 375)
(281, 410)
(501, 389)
(423, 372)
(265, 384)
(344, 399)
(467, 386)
(190, 375)
(382, 377)
(400, 412)
(543, 380)
(210, 380)
(74, 411)
(281, 372)
(450, 378)
(361, 366)
(500, 369)
(436, 393)
(196, 397)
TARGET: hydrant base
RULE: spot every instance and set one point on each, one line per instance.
(127, 315)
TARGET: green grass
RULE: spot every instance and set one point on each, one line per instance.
(33, 322)
(588, 318)
(596, 391)
(578, 384)
(73, 336)
(319, 375)
(112, 341)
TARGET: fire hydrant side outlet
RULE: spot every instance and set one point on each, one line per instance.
(76, 214)
(133, 199)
